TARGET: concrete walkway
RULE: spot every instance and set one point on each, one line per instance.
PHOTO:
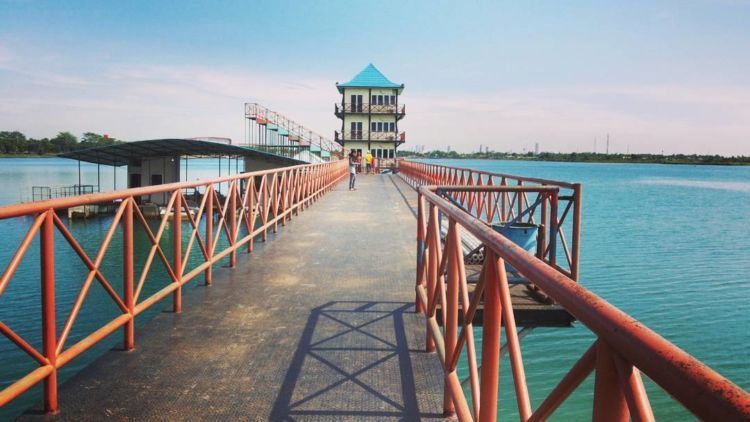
(317, 324)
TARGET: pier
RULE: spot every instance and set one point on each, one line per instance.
(345, 305)
(310, 324)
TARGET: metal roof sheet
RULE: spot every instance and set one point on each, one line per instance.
(121, 154)
(370, 77)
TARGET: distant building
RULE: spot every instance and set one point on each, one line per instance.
(536, 148)
(369, 113)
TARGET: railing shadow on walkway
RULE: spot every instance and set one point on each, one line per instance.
(347, 363)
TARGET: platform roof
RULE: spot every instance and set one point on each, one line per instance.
(370, 77)
(123, 153)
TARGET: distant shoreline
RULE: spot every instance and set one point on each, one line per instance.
(680, 159)
(28, 155)
(704, 160)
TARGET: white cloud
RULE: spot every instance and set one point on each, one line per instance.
(145, 101)
(638, 118)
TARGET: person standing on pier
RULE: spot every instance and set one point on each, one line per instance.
(368, 162)
(352, 169)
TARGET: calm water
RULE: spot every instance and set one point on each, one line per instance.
(667, 244)
(670, 245)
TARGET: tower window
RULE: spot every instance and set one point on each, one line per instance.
(374, 127)
(393, 99)
(380, 126)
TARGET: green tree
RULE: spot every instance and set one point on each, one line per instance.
(40, 146)
(64, 142)
(12, 142)
(91, 139)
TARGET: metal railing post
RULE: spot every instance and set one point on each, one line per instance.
(432, 273)
(233, 223)
(609, 401)
(450, 314)
(177, 251)
(576, 252)
(208, 275)
(49, 328)
(127, 250)
(490, 371)
(420, 248)
(250, 212)
(553, 229)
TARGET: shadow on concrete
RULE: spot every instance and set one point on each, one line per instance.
(352, 362)
(413, 209)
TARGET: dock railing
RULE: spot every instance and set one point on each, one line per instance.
(256, 201)
(497, 198)
(624, 347)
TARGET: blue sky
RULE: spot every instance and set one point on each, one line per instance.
(671, 76)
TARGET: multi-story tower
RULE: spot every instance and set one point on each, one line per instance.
(370, 111)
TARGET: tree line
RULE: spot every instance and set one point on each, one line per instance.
(586, 157)
(16, 143)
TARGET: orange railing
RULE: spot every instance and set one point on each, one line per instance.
(503, 198)
(256, 201)
(623, 349)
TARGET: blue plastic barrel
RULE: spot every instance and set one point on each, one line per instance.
(522, 234)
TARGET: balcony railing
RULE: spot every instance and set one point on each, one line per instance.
(398, 109)
(363, 135)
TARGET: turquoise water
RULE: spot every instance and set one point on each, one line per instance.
(670, 245)
(667, 244)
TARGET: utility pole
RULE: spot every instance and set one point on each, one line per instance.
(608, 144)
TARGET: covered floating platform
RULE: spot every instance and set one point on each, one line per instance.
(161, 161)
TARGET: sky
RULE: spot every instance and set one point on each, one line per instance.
(656, 76)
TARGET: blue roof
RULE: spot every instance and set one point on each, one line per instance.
(369, 77)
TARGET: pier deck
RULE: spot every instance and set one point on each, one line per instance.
(318, 323)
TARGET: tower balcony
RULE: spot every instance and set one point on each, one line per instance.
(399, 110)
(363, 135)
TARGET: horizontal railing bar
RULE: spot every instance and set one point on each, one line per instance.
(17, 210)
(81, 346)
(501, 175)
(496, 188)
(19, 387)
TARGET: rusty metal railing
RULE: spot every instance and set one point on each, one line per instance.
(623, 349)
(369, 108)
(258, 201)
(501, 198)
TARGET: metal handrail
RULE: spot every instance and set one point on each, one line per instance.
(399, 109)
(364, 135)
(258, 201)
(256, 111)
(500, 206)
(624, 346)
